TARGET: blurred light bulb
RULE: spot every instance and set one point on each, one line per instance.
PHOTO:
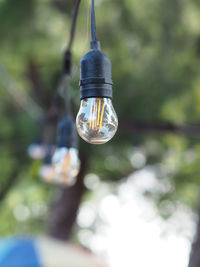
(47, 173)
(66, 165)
(96, 120)
(37, 151)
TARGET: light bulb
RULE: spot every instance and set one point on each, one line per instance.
(37, 151)
(66, 165)
(47, 173)
(96, 120)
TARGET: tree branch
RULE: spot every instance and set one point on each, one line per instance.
(36, 84)
(19, 95)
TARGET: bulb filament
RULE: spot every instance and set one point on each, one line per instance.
(67, 161)
(96, 114)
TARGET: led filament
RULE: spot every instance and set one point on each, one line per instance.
(96, 114)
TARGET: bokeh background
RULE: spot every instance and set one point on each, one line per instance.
(137, 197)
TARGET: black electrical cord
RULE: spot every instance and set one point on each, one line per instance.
(64, 84)
(93, 23)
(62, 89)
(95, 68)
(55, 109)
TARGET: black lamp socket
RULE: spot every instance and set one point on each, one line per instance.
(95, 73)
(67, 135)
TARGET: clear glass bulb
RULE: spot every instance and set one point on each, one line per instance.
(66, 164)
(96, 120)
(37, 151)
(47, 173)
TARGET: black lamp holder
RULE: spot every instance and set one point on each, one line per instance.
(95, 68)
(67, 135)
(48, 156)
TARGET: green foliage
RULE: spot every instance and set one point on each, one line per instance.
(154, 47)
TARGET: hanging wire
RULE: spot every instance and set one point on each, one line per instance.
(93, 23)
(63, 88)
(75, 69)
(54, 112)
(87, 27)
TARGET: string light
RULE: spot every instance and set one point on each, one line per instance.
(37, 150)
(64, 166)
(65, 160)
(96, 120)
(47, 172)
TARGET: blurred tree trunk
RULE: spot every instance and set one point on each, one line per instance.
(194, 260)
(65, 209)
